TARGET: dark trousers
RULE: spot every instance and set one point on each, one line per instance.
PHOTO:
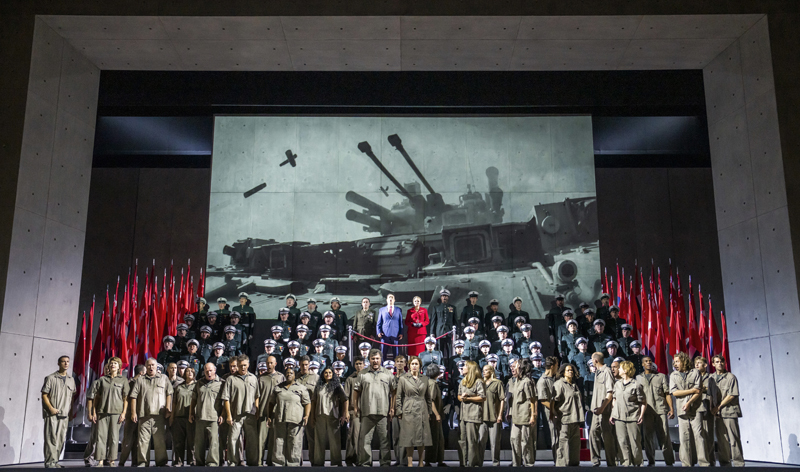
(389, 352)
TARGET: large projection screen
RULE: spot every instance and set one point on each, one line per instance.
(324, 206)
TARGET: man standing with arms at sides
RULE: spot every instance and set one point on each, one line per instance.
(57, 393)
(601, 433)
(545, 391)
(130, 434)
(266, 385)
(373, 389)
(703, 418)
(555, 319)
(443, 318)
(151, 400)
(727, 413)
(686, 386)
(240, 397)
(206, 414)
(364, 321)
(107, 403)
(390, 326)
(351, 453)
(658, 412)
(308, 380)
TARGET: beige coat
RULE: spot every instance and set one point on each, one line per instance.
(413, 402)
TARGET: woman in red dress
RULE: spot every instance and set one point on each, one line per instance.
(417, 321)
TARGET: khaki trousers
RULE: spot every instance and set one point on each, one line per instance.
(659, 425)
(351, 453)
(692, 430)
(55, 434)
(490, 432)
(182, 441)
(107, 444)
(288, 444)
(706, 422)
(523, 445)
(601, 436)
(399, 452)
(371, 424)
(569, 445)
(152, 427)
(249, 425)
(326, 436)
(263, 434)
(129, 441)
(729, 442)
(88, 452)
(206, 436)
(470, 444)
(554, 433)
(434, 453)
(629, 435)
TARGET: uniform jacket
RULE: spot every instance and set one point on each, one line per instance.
(443, 318)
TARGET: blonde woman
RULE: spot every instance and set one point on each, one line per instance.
(492, 413)
(107, 404)
(417, 321)
(627, 413)
(182, 429)
(472, 395)
(413, 402)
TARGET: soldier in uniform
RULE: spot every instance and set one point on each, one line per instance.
(490, 359)
(443, 318)
(613, 322)
(502, 334)
(430, 355)
(240, 400)
(686, 386)
(294, 312)
(341, 356)
(196, 361)
(524, 342)
(307, 323)
(329, 323)
(625, 340)
(637, 358)
(181, 339)
(206, 344)
(151, 401)
(319, 354)
(339, 317)
(582, 357)
(554, 317)
(330, 343)
(537, 367)
(294, 351)
(277, 338)
(568, 401)
(601, 433)
(212, 322)
(657, 414)
(188, 320)
(475, 323)
(266, 385)
(515, 311)
(472, 309)
(206, 414)
(202, 310)
(373, 388)
(536, 349)
(269, 350)
(235, 318)
(248, 317)
(496, 322)
(364, 320)
(611, 348)
(363, 350)
(219, 359)
(283, 322)
(316, 317)
(504, 359)
(485, 348)
(568, 345)
(727, 412)
(168, 354)
(599, 339)
(562, 329)
(303, 336)
(492, 311)
(604, 311)
(232, 347)
(586, 322)
(223, 311)
(471, 350)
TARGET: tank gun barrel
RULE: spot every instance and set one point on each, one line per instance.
(372, 224)
(374, 208)
(397, 143)
(367, 149)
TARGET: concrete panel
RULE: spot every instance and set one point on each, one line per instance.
(351, 54)
(60, 282)
(222, 28)
(233, 55)
(672, 54)
(572, 154)
(80, 81)
(70, 172)
(273, 137)
(740, 260)
(233, 145)
(780, 280)
(530, 153)
(751, 362)
(756, 60)
(769, 184)
(24, 266)
(43, 362)
(459, 27)
(106, 27)
(37, 147)
(17, 350)
(723, 84)
(785, 359)
(311, 142)
(730, 160)
(578, 27)
(695, 26)
(457, 54)
(568, 54)
(129, 54)
(340, 27)
(45, 62)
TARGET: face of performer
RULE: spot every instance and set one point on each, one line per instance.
(327, 374)
(172, 370)
(626, 333)
(417, 302)
(559, 302)
(293, 351)
(204, 334)
(493, 308)
(375, 361)
(513, 367)
(459, 350)
(676, 364)
(242, 301)
(485, 350)
(487, 372)
(700, 366)
(473, 300)
(211, 320)
(569, 373)
(612, 351)
(493, 364)
(182, 333)
(233, 366)
(527, 334)
(318, 348)
(572, 328)
(615, 369)
(582, 347)
(390, 300)
(719, 366)
(463, 369)
(113, 369)
(647, 364)
(312, 307)
(340, 355)
(636, 349)
(229, 335)
(365, 304)
(289, 376)
(290, 302)
(181, 371)
(188, 375)
(502, 335)
(537, 363)
(400, 364)
(414, 367)
(359, 365)
(430, 346)
(304, 367)
(271, 363)
(335, 305)
(151, 366)
(276, 335)
(210, 371)
(218, 352)
(445, 298)
(244, 365)
(518, 305)
(168, 345)
(201, 304)
(599, 328)
(508, 348)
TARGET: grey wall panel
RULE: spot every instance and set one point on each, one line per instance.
(653, 224)
(785, 363)
(37, 147)
(271, 144)
(17, 350)
(751, 361)
(765, 153)
(45, 71)
(756, 60)
(780, 280)
(740, 259)
(78, 87)
(22, 284)
(727, 95)
(233, 141)
(43, 362)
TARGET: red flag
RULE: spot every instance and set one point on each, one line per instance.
(702, 326)
(695, 344)
(714, 345)
(79, 367)
(99, 350)
(634, 315)
(663, 324)
(676, 336)
(605, 280)
(620, 289)
(725, 349)
(201, 290)
(660, 351)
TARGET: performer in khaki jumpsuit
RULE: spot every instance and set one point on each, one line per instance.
(727, 413)
(601, 413)
(151, 401)
(568, 412)
(627, 413)
(685, 385)
(308, 380)
(472, 395)
(373, 388)
(57, 393)
(545, 391)
(351, 452)
(182, 429)
(657, 413)
(492, 413)
(240, 400)
(329, 410)
(703, 417)
(107, 403)
(413, 402)
(435, 453)
(206, 414)
(524, 402)
(290, 406)
(266, 385)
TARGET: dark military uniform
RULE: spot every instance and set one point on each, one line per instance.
(443, 318)
(180, 344)
(487, 320)
(248, 319)
(637, 362)
(555, 319)
(286, 334)
(585, 325)
(232, 348)
(294, 316)
(224, 315)
(504, 365)
(323, 360)
(597, 343)
(604, 313)
(512, 315)
(567, 347)
(216, 330)
(523, 347)
(470, 311)
(471, 350)
(614, 326)
(625, 346)
(221, 363)
(431, 357)
(239, 336)
(339, 322)
(205, 350)
(165, 357)
(329, 350)
(196, 362)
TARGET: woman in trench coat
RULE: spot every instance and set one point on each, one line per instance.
(413, 401)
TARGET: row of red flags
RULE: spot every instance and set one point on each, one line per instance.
(131, 326)
(659, 319)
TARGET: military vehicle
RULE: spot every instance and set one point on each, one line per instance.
(423, 244)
